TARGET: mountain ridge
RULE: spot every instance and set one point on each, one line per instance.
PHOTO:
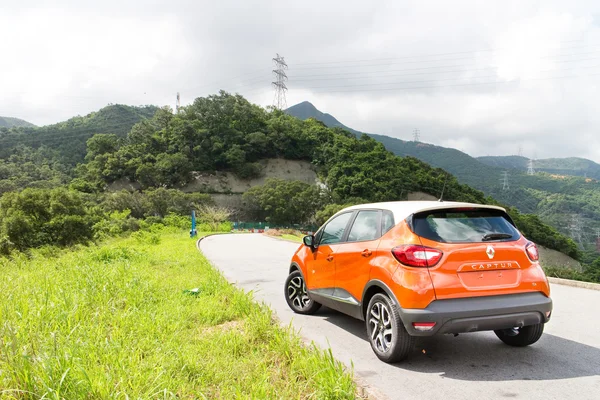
(11, 122)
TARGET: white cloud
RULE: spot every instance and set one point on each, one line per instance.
(486, 77)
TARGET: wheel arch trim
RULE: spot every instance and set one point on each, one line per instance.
(381, 285)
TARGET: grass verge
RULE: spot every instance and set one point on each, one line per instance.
(115, 321)
(288, 234)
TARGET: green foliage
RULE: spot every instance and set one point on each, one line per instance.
(27, 167)
(226, 132)
(68, 138)
(154, 202)
(115, 224)
(284, 202)
(35, 217)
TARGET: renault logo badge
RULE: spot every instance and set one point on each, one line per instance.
(490, 252)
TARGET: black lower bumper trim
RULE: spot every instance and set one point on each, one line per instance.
(479, 313)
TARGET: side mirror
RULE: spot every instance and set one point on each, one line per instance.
(309, 241)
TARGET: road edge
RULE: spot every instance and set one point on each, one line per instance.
(573, 283)
(363, 389)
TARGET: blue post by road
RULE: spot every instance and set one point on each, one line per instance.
(193, 232)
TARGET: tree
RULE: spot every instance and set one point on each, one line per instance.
(213, 216)
(284, 202)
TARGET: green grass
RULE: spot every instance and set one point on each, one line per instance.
(114, 321)
(293, 238)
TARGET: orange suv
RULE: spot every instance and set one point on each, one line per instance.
(419, 268)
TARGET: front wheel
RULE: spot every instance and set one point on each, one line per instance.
(521, 337)
(297, 296)
(389, 339)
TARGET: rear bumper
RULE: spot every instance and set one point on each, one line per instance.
(479, 313)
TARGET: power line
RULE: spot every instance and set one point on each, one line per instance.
(430, 80)
(413, 61)
(434, 54)
(457, 85)
(280, 77)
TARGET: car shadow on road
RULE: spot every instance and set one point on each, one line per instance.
(481, 356)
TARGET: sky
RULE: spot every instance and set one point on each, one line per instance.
(488, 78)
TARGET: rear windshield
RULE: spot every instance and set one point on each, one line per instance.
(465, 226)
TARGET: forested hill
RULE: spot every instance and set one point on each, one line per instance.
(559, 199)
(571, 166)
(8, 122)
(227, 133)
(69, 138)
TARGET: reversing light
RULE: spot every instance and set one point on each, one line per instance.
(417, 256)
(423, 326)
(532, 251)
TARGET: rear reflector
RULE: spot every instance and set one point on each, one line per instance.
(423, 326)
(532, 251)
(417, 256)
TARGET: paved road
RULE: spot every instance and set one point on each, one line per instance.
(564, 364)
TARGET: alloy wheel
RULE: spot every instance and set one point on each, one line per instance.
(297, 294)
(381, 327)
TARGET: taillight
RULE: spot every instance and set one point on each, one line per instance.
(532, 251)
(417, 256)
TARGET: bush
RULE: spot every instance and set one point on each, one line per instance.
(116, 224)
(213, 218)
(36, 217)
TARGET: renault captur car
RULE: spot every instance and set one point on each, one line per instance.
(421, 268)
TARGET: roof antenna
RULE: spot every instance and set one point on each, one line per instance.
(443, 188)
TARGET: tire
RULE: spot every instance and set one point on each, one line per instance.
(521, 337)
(297, 296)
(389, 339)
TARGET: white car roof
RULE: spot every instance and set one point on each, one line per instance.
(403, 209)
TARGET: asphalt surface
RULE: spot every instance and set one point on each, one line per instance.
(563, 364)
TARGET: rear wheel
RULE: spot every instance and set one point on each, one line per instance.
(389, 339)
(297, 296)
(520, 337)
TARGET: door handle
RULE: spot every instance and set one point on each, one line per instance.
(329, 258)
(366, 253)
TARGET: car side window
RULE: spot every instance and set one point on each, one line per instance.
(365, 226)
(334, 230)
(387, 221)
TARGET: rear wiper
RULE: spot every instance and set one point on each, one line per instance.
(495, 236)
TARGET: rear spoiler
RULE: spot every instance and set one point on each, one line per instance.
(492, 210)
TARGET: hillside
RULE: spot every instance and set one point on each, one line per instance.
(68, 138)
(556, 198)
(8, 122)
(307, 110)
(226, 133)
(570, 166)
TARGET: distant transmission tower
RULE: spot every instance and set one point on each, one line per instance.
(520, 154)
(576, 228)
(280, 77)
(178, 104)
(530, 170)
(417, 135)
(505, 185)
